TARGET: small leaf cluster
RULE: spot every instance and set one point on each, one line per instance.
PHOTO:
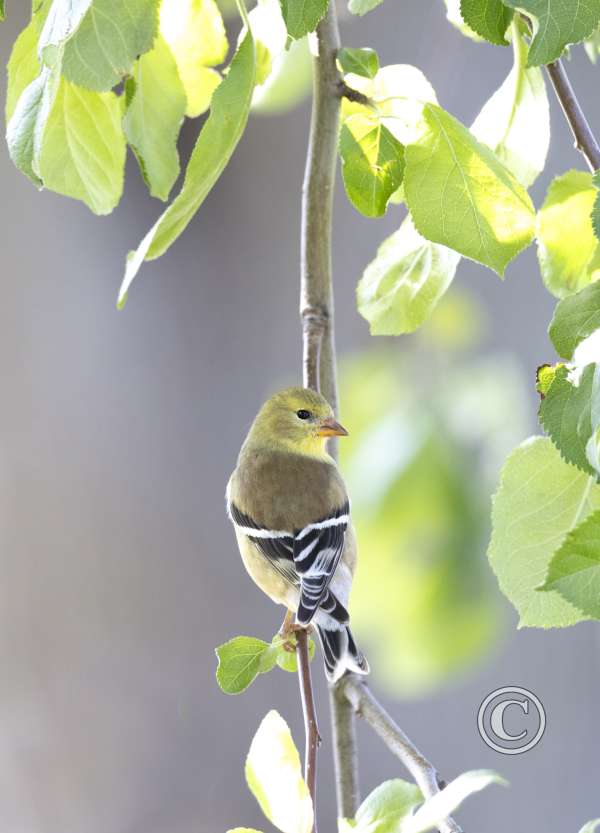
(274, 777)
(545, 545)
(243, 658)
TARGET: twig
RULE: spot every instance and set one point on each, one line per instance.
(311, 729)
(345, 752)
(366, 706)
(585, 141)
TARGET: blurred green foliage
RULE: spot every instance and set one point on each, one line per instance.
(429, 433)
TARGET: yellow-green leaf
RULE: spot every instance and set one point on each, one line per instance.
(195, 33)
(274, 776)
(155, 110)
(401, 286)
(217, 140)
(23, 65)
(567, 247)
(540, 499)
(460, 195)
(372, 163)
(82, 153)
(302, 16)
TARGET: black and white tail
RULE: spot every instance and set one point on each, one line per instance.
(340, 652)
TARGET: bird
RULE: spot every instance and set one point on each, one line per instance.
(290, 511)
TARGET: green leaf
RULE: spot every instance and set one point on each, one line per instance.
(441, 805)
(515, 122)
(82, 153)
(488, 18)
(461, 196)
(540, 499)
(153, 118)
(64, 16)
(361, 7)
(274, 776)
(545, 375)
(302, 16)
(372, 163)
(2, 10)
(567, 248)
(25, 130)
(195, 33)
(566, 415)
(241, 660)
(217, 140)
(574, 570)
(590, 827)
(363, 62)
(287, 660)
(556, 23)
(107, 40)
(401, 286)
(386, 807)
(575, 318)
(23, 65)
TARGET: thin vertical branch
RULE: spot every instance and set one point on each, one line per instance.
(311, 729)
(317, 315)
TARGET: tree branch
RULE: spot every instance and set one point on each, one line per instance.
(423, 772)
(349, 696)
(311, 729)
(585, 141)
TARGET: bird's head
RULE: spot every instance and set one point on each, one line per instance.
(298, 419)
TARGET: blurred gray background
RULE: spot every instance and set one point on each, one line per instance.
(119, 573)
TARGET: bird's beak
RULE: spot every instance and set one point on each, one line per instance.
(331, 428)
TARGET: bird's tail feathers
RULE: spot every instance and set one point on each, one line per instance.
(340, 652)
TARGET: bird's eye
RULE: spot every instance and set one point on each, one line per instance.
(303, 414)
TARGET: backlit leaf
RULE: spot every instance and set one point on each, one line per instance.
(515, 122)
(540, 499)
(575, 318)
(25, 129)
(372, 163)
(461, 196)
(556, 23)
(274, 776)
(441, 805)
(384, 809)
(91, 167)
(567, 246)
(195, 33)
(155, 110)
(404, 282)
(217, 140)
(23, 65)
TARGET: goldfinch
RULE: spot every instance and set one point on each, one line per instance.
(291, 514)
